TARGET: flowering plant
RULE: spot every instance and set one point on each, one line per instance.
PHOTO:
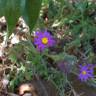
(52, 49)
(43, 40)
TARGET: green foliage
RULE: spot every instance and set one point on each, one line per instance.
(15, 53)
(13, 9)
(31, 12)
(80, 21)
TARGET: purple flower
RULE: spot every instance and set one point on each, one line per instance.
(86, 72)
(43, 40)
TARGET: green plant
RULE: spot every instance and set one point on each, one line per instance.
(72, 24)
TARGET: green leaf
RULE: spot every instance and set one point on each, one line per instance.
(11, 10)
(63, 56)
(57, 57)
(1, 8)
(31, 12)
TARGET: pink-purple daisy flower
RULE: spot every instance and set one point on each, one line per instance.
(86, 72)
(43, 40)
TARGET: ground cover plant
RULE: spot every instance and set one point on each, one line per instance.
(47, 48)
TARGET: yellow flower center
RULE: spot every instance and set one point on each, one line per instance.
(84, 72)
(44, 40)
